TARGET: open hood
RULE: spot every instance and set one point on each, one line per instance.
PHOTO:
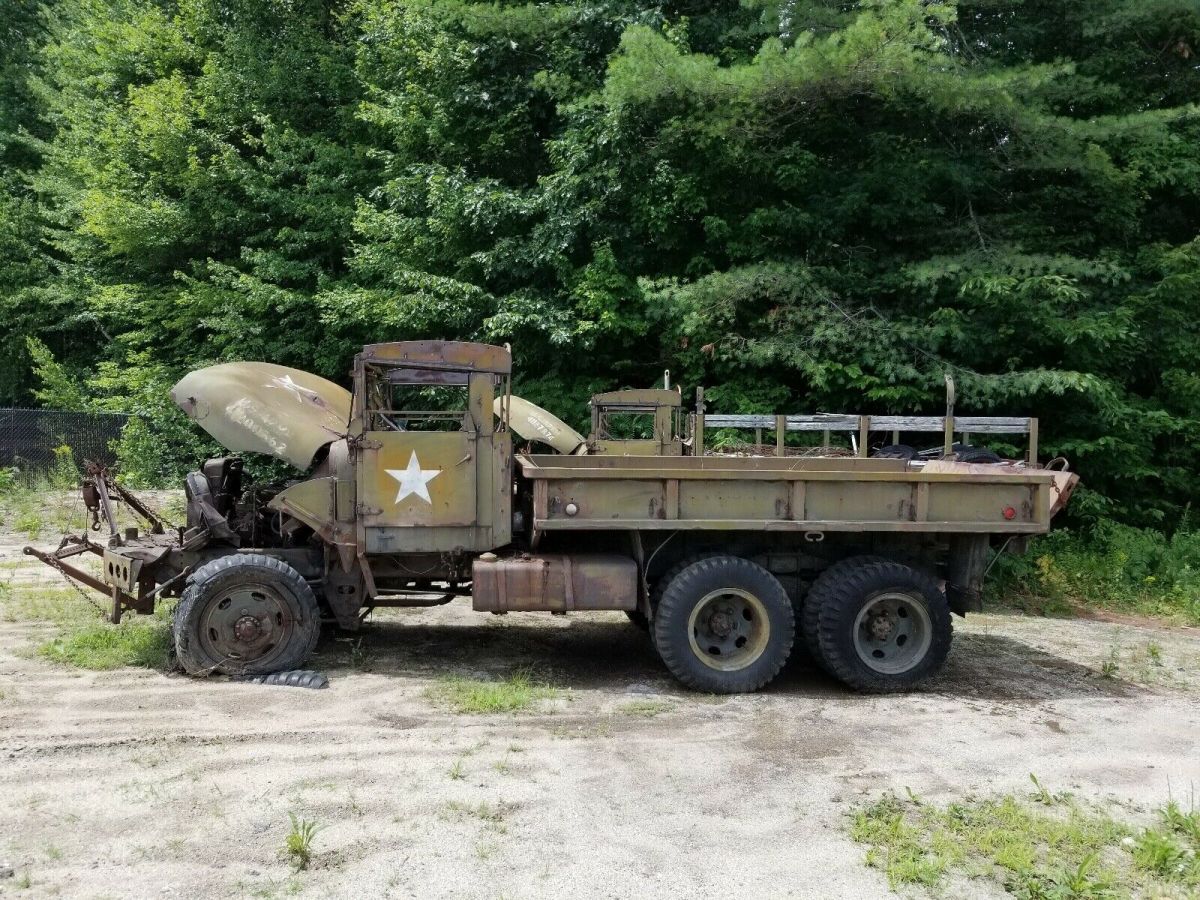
(260, 407)
(536, 424)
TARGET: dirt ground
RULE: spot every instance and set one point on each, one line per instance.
(137, 784)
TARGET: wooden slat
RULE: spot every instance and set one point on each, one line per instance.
(823, 422)
(973, 424)
(848, 423)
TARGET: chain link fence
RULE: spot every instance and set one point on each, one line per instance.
(28, 436)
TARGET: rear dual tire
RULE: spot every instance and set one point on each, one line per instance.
(876, 625)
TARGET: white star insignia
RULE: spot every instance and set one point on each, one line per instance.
(285, 383)
(414, 479)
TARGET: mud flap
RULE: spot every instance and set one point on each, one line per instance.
(965, 568)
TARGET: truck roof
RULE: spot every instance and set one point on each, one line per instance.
(455, 356)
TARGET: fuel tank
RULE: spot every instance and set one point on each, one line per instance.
(553, 582)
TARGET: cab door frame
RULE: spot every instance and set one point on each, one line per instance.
(423, 492)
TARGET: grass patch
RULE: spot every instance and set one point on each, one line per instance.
(1045, 847)
(84, 639)
(36, 502)
(1107, 566)
(101, 645)
(492, 815)
(514, 693)
(39, 603)
(646, 709)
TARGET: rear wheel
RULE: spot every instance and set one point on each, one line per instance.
(245, 614)
(724, 625)
(809, 608)
(880, 626)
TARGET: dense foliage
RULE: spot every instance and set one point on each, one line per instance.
(800, 205)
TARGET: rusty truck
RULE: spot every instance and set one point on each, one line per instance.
(429, 480)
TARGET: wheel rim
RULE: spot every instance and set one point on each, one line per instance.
(249, 623)
(892, 632)
(729, 629)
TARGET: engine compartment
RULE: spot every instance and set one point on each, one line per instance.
(238, 514)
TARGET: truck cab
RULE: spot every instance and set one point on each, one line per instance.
(636, 423)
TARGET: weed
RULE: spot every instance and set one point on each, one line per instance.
(298, 844)
(1054, 850)
(1183, 823)
(84, 640)
(491, 815)
(38, 603)
(1082, 882)
(516, 692)
(360, 656)
(100, 645)
(1159, 851)
(1042, 795)
(25, 882)
(1154, 653)
(1107, 565)
(456, 772)
(645, 708)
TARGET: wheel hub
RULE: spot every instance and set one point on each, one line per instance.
(729, 629)
(881, 626)
(893, 632)
(247, 628)
(248, 623)
(720, 624)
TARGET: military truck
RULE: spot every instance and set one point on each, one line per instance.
(414, 496)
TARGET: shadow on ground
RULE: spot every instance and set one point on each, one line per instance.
(616, 656)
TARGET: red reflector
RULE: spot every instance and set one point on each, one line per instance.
(1009, 512)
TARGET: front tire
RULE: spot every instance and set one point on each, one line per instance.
(724, 625)
(880, 626)
(245, 614)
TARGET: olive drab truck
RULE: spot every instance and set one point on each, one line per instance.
(430, 481)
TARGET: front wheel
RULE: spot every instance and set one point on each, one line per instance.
(880, 626)
(724, 625)
(245, 614)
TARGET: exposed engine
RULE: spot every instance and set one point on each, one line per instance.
(216, 500)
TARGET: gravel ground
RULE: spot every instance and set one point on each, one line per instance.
(137, 784)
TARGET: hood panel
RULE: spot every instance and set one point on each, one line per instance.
(533, 423)
(260, 407)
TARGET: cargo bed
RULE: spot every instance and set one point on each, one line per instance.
(782, 494)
